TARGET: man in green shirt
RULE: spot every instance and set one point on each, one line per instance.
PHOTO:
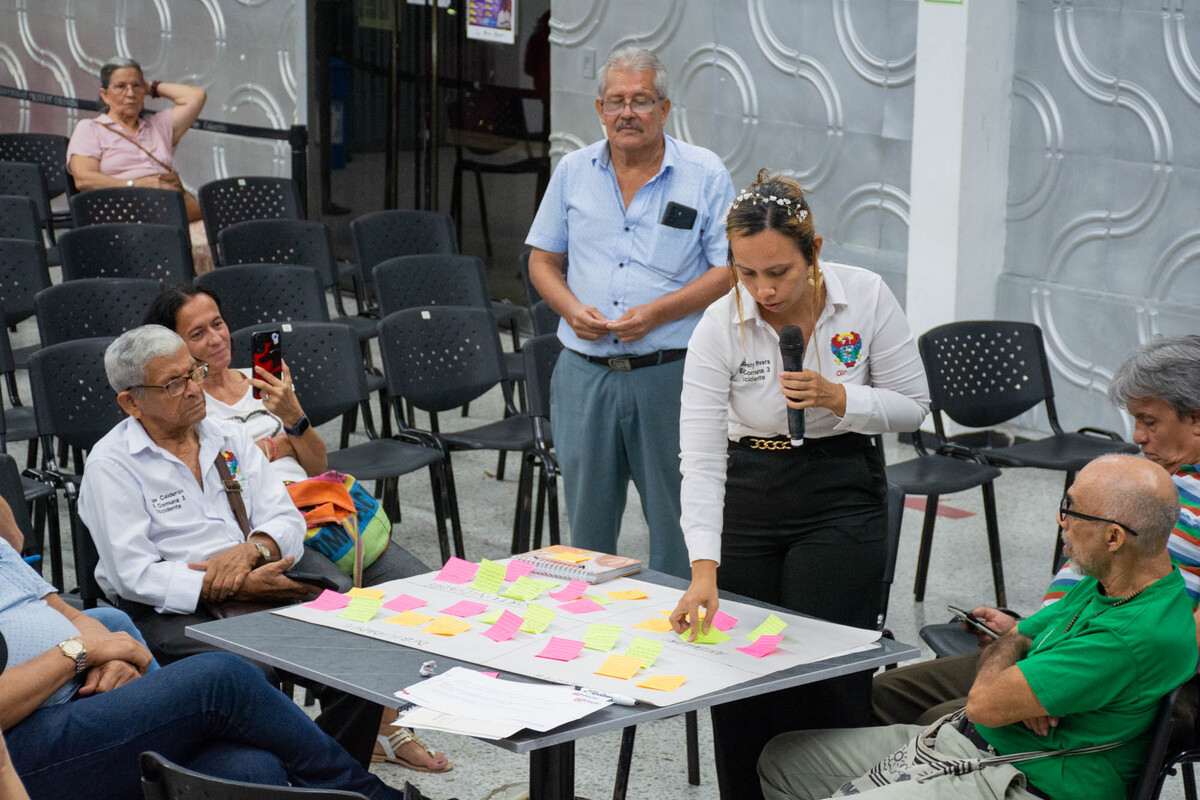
(1088, 670)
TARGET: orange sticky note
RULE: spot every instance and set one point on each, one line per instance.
(572, 558)
(370, 594)
(628, 594)
(409, 619)
(663, 683)
(623, 667)
(448, 626)
(655, 624)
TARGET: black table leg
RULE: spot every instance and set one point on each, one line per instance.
(552, 772)
(624, 762)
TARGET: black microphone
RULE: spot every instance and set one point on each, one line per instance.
(791, 350)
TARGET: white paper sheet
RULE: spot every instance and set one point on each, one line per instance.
(429, 720)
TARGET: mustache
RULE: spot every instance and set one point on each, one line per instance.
(628, 125)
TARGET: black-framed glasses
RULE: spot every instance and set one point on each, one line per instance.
(1065, 510)
(176, 386)
(640, 104)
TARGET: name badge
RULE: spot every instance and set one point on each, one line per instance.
(171, 501)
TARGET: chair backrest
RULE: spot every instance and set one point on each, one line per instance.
(71, 396)
(19, 218)
(252, 294)
(164, 780)
(440, 357)
(400, 232)
(1149, 782)
(13, 492)
(430, 280)
(23, 274)
(47, 150)
(131, 204)
(229, 201)
(541, 354)
(982, 373)
(325, 361)
(91, 307)
(302, 242)
(545, 319)
(127, 250)
(895, 521)
(28, 180)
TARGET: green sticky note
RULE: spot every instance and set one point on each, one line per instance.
(489, 577)
(647, 650)
(361, 609)
(537, 618)
(596, 598)
(524, 589)
(601, 636)
(770, 626)
(547, 584)
(492, 617)
(714, 636)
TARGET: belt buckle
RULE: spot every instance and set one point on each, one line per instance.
(620, 364)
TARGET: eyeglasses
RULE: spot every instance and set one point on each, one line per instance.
(639, 104)
(121, 88)
(1065, 510)
(176, 386)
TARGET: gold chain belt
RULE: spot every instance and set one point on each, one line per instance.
(768, 444)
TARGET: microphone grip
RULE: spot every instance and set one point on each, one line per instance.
(793, 361)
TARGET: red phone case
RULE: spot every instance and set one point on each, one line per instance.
(267, 354)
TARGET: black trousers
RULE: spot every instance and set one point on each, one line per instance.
(804, 529)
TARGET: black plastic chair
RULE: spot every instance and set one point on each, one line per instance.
(16, 488)
(1173, 737)
(47, 150)
(228, 201)
(129, 204)
(165, 780)
(23, 273)
(127, 250)
(19, 218)
(541, 354)
(545, 319)
(381, 235)
(17, 423)
(984, 373)
(252, 294)
(28, 180)
(92, 307)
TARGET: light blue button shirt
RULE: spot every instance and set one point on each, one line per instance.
(621, 257)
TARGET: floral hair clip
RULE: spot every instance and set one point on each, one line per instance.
(793, 208)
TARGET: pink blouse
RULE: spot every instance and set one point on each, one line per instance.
(119, 158)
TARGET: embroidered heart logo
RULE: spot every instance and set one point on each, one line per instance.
(846, 347)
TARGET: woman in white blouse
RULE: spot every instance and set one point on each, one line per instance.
(800, 527)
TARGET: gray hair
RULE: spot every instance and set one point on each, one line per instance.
(1165, 369)
(634, 59)
(125, 360)
(115, 64)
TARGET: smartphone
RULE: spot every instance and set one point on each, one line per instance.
(973, 621)
(266, 351)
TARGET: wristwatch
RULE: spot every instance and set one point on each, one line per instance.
(73, 649)
(299, 428)
(264, 552)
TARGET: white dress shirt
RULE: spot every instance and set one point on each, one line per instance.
(150, 518)
(731, 385)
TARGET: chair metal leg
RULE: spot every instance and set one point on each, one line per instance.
(31, 453)
(483, 215)
(385, 424)
(438, 487)
(520, 537)
(1189, 781)
(691, 723)
(1058, 542)
(452, 499)
(624, 761)
(54, 538)
(349, 423)
(501, 461)
(931, 504)
(993, 534)
(466, 410)
(552, 492)
(539, 507)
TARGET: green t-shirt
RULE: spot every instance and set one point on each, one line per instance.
(1103, 678)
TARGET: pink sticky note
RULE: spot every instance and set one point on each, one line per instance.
(581, 606)
(465, 608)
(572, 591)
(723, 622)
(405, 602)
(490, 674)
(763, 646)
(505, 627)
(517, 569)
(560, 649)
(328, 600)
(457, 570)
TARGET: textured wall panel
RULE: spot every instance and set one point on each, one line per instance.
(818, 88)
(1103, 244)
(248, 54)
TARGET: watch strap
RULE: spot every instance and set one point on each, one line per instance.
(299, 428)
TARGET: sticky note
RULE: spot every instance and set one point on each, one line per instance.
(456, 570)
(328, 600)
(663, 683)
(490, 674)
(561, 649)
(517, 569)
(763, 646)
(572, 591)
(647, 650)
(505, 628)
(628, 594)
(581, 607)
(623, 667)
(713, 636)
(492, 617)
(489, 577)
(723, 622)
(448, 626)
(599, 599)
(361, 609)
(524, 588)
(656, 624)
(572, 557)
(465, 608)
(601, 636)
(404, 602)
(409, 619)
(768, 627)
(537, 618)
(370, 594)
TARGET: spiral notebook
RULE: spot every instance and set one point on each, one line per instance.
(574, 563)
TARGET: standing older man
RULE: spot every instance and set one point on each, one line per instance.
(641, 219)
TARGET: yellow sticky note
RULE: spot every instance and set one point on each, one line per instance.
(655, 624)
(537, 618)
(595, 598)
(623, 667)
(770, 626)
(448, 626)
(663, 683)
(572, 558)
(409, 619)
(628, 594)
(370, 594)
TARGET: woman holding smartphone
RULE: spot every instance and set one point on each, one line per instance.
(800, 527)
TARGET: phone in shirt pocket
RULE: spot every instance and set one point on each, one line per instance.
(675, 238)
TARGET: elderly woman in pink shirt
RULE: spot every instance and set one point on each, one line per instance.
(120, 148)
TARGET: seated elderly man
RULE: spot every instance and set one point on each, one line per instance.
(1074, 688)
(171, 547)
(1159, 385)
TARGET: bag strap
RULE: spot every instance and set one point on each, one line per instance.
(138, 145)
(233, 491)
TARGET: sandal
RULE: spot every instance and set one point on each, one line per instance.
(390, 746)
